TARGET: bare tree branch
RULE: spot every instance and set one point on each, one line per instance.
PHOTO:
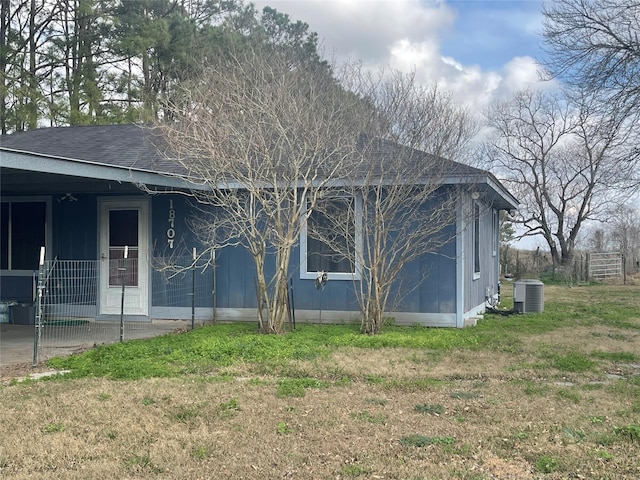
(565, 161)
(406, 212)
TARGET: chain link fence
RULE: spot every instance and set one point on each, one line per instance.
(66, 311)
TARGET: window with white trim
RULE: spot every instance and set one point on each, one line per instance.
(495, 232)
(476, 240)
(22, 233)
(329, 239)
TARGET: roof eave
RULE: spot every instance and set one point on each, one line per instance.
(83, 169)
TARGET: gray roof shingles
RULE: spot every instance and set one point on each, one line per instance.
(126, 145)
(137, 147)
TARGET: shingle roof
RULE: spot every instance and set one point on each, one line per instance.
(387, 153)
(137, 148)
(127, 145)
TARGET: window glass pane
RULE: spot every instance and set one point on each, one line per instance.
(123, 231)
(121, 270)
(330, 234)
(476, 238)
(123, 228)
(28, 224)
(4, 236)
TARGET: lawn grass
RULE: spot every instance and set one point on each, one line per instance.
(209, 348)
(551, 395)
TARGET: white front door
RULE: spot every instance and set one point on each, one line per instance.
(124, 229)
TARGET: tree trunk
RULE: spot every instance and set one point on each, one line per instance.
(5, 7)
(32, 111)
(278, 304)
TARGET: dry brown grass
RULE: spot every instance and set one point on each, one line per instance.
(503, 413)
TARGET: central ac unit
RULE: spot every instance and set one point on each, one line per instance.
(528, 296)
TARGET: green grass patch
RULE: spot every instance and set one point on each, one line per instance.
(186, 413)
(546, 464)
(570, 361)
(573, 435)
(355, 470)
(616, 356)
(531, 387)
(412, 384)
(53, 428)
(602, 455)
(142, 464)
(569, 394)
(629, 432)
(295, 387)
(230, 406)
(282, 428)
(436, 409)
(417, 440)
(201, 452)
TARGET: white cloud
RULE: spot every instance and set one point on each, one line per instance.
(522, 73)
(408, 35)
(365, 29)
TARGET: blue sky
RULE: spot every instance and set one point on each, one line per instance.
(491, 32)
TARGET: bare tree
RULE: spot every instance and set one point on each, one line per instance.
(625, 234)
(507, 234)
(400, 211)
(595, 44)
(565, 160)
(424, 117)
(597, 241)
(262, 138)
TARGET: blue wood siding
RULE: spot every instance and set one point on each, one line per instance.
(75, 228)
(14, 288)
(476, 289)
(75, 237)
(173, 241)
(435, 275)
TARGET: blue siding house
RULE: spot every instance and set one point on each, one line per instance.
(78, 192)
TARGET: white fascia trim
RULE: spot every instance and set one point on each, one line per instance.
(83, 169)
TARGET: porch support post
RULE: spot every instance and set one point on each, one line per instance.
(38, 319)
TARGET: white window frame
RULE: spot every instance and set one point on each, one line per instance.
(47, 230)
(475, 239)
(356, 275)
(495, 231)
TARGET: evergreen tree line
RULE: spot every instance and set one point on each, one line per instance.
(80, 62)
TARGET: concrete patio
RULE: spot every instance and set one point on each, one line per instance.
(16, 341)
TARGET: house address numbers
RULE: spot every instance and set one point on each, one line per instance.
(171, 232)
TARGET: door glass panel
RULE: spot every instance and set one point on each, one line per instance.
(123, 228)
(123, 232)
